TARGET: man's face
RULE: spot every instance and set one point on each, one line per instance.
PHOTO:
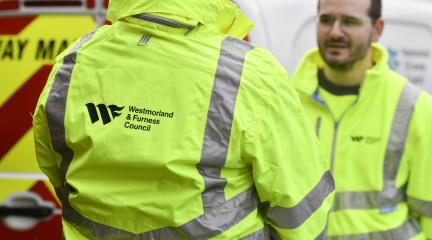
(344, 32)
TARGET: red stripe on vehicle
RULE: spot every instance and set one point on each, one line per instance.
(15, 114)
(42, 190)
(90, 4)
(9, 5)
(14, 25)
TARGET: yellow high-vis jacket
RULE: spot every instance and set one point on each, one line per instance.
(379, 150)
(165, 125)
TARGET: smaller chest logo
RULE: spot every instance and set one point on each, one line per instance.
(365, 139)
(101, 111)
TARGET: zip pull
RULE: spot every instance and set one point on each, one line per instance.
(164, 21)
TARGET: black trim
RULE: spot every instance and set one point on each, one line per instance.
(335, 89)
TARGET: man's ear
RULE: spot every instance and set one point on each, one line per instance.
(378, 28)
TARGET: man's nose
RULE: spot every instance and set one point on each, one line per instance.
(336, 29)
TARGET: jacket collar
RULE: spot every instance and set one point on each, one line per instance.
(306, 80)
(219, 15)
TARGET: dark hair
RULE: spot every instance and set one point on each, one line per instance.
(375, 9)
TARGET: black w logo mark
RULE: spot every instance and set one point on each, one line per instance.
(357, 138)
(103, 111)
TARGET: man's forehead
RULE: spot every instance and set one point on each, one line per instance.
(344, 7)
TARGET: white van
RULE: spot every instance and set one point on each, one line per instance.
(287, 28)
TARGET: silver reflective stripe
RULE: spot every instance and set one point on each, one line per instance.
(364, 200)
(273, 234)
(219, 214)
(396, 144)
(216, 140)
(56, 105)
(406, 231)
(219, 218)
(391, 195)
(219, 119)
(321, 236)
(262, 234)
(420, 207)
(212, 221)
(95, 230)
(293, 217)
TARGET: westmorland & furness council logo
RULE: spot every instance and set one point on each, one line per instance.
(104, 112)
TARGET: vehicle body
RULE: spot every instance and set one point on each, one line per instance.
(32, 33)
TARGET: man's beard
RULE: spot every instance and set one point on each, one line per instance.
(358, 54)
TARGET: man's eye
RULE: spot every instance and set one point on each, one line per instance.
(326, 20)
(351, 22)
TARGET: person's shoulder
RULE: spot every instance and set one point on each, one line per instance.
(397, 76)
(262, 56)
(424, 102)
(264, 63)
(263, 75)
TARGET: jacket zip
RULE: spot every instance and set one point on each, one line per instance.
(164, 21)
(318, 127)
(333, 150)
(335, 126)
(335, 131)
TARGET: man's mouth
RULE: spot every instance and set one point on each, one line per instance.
(337, 45)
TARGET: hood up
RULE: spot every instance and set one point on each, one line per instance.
(219, 15)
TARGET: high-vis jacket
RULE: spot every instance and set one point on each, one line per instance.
(166, 125)
(380, 151)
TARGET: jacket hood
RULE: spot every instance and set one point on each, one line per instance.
(220, 15)
(305, 77)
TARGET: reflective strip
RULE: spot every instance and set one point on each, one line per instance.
(420, 207)
(396, 143)
(95, 230)
(390, 196)
(408, 230)
(321, 236)
(216, 140)
(218, 219)
(56, 105)
(212, 221)
(364, 200)
(262, 234)
(293, 217)
(274, 235)
(219, 120)
(219, 214)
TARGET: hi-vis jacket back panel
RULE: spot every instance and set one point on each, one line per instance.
(380, 153)
(166, 126)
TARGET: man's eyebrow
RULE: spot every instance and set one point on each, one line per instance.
(350, 17)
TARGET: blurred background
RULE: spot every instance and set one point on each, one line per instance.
(33, 32)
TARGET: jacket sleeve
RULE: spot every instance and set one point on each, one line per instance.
(419, 151)
(292, 179)
(49, 161)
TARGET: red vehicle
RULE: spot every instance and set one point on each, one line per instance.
(32, 33)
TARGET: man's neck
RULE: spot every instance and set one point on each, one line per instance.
(353, 76)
